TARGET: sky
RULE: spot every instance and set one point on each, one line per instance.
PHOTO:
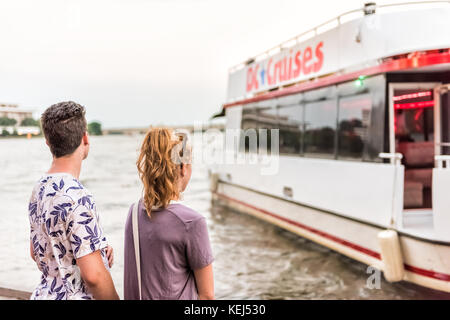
(135, 63)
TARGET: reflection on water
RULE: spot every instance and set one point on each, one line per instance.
(253, 260)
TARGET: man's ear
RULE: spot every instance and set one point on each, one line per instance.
(46, 142)
(85, 139)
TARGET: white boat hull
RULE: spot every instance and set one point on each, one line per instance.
(426, 263)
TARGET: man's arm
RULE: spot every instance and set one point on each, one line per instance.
(96, 277)
(205, 282)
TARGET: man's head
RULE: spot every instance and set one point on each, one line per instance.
(65, 129)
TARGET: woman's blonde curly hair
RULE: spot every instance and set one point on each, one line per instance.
(158, 169)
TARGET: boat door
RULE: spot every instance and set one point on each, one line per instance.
(441, 172)
(414, 138)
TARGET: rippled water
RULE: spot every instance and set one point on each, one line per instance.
(253, 260)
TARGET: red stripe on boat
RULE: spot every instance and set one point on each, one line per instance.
(428, 273)
(422, 272)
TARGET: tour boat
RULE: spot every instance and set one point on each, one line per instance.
(362, 108)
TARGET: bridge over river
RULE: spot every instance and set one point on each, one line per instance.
(136, 131)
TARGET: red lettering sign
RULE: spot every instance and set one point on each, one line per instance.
(286, 68)
(319, 56)
(252, 78)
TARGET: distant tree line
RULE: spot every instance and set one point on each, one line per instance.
(30, 122)
(4, 121)
(27, 122)
(95, 128)
(5, 133)
(9, 122)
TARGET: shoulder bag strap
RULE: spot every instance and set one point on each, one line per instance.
(135, 225)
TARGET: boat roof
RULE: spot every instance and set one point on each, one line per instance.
(350, 46)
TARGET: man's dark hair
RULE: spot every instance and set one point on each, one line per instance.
(64, 125)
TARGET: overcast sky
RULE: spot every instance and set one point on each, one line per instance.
(141, 62)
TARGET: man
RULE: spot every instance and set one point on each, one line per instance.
(67, 241)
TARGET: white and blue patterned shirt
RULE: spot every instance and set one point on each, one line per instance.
(64, 227)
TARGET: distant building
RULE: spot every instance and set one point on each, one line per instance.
(12, 111)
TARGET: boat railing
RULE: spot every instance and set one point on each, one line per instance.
(396, 158)
(369, 8)
(442, 161)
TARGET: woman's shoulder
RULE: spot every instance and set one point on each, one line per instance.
(130, 210)
(184, 213)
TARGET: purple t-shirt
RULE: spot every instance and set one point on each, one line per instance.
(173, 243)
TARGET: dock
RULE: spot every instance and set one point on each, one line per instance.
(12, 294)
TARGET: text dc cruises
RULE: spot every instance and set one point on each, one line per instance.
(278, 70)
(232, 310)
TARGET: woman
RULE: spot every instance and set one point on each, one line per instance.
(175, 252)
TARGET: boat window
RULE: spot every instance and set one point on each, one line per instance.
(320, 94)
(290, 100)
(254, 120)
(354, 98)
(354, 121)
(268, 120)
(290, 121)
(354, 131)
(320, 128)
(249, 125)
(414, 115)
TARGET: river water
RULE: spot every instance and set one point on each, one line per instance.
(253, 260)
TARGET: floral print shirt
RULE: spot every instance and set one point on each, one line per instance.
(64, 227)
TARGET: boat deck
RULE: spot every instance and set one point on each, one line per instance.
(419, 223)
